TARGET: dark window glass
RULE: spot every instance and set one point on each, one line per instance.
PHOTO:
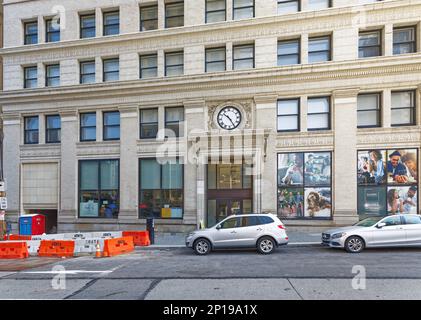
(111, 70)
(174, 64)
(243, 9)
(288, 6)
(31, 130)
(111, 23)
(215, 10)
(370, 44)
(403, 108)
(265, 220)
(31, 32)
(52, 75)
(288, 52)
(369, 110)
(87, 26)
(148, 123)
(174, 15)
(404, 40)
(31, 77)
(88, 127)
(289, 115)
(174, 120)
(52, 30)
(111, 125)
(319, 49)
(231, 223)
(148, 66)
(53, 129)
(148, 18)
(243, 57)
(87, 72)
(215, 59)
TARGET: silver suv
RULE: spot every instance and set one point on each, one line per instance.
(262, 231)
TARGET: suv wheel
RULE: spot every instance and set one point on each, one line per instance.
(354, 244)
(202, 247)
(266, 245)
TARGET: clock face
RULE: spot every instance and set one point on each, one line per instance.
(229, 118)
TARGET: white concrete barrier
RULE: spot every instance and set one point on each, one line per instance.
(112, 234)
(33, 247)
(88, 246)
(59, 236)
(79, 235)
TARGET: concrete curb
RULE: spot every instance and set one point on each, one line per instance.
(180, 246)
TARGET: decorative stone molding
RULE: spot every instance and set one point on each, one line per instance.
(244, 106)
(388, 137)
(105, 148)
(40, 151)
(266, 98)
(305, 140)
(346, 93)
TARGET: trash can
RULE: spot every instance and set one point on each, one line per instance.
(32, 225)
(150, 226)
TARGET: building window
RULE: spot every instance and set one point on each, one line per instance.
(31, 77)
(318, 4)
(369, 110)
(243, 9)
(404, 41)
(148, 66)
(288, 6)
(99, 189)
(215, 59)
(403, 108)
(87, 26)
(111, 69)
(31, 130)
(318, 116)
(174, 64)
(161, 189)
(174, 15)
(87, 72)
(215, 10)
(319, 49)
(289, 115)
(31, 32)
(174, 120)
(289, 52)
(148, 123)
(148, 18)
(370, 44)
(52, 30)
(53, 129)
(88, 126)
(243, 57)
(111, 23)
(111, 127)
(305, 185)
(52, 78)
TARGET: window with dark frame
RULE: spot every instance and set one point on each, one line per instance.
(111, 125)
(289, 52)
(148, 66)
(174, 14)
(243, 9)
(243, 57)
(404, 40)
(52, 129)
(403, 108)
(31, 77)
(87, 72)
(216, 11)
(88, 126)
(148, 18)
(319, 49)
(174, 63)
(149, 123)
(52, 30)
(369, 110)
(87, 26)
(111, 69)
(318, 4)
(111, 23)
(52, 78)
(288, 115)
(174, 119)
(318, 113)
(288, 6)
(215, 59)
(31, 32)
(31, 128)
(370, 44)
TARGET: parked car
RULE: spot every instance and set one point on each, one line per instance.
(376, 232)
(264, 232)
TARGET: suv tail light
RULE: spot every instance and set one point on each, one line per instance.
(281, 227)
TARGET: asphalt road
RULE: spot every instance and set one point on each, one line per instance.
(290, 273)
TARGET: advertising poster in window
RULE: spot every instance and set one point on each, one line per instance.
(372, 167)
(290, 169)
(402, 200)
(317, 169)
(318, 203)
(291, 202)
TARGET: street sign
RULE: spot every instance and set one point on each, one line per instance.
(3, 203)
(2, 186)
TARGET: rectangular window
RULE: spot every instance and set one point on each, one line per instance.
(87, 72)
(148, 18)
(88, 126)
(215, 10)
(31, 77)
(111, 127)
(174, 15)
(52, 78)
(289, 115)
(404, 40)
(174, 64)
(370, 44)
(111, 69)
(318, 4)
(243, 57)
(87, 26)
(161, 189)
(53, 129)
(111, 23)
(148, 123)
(318, 116)
(148, 66)
(31, 32)
(403, 108)
(52, 30)
(369, 110)
(215, 59)
(174, 119)
(31, 128)
(99, 189)
(319, 49)
(288, 6)
(243, 9)
(289, 52)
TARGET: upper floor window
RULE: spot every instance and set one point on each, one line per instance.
(243, 57)
(215, 10)
(289, 115)
(31, 128)
(318, 4)
(174, 63)
(111, 23)
(318, 115)
(368, 107)
(31, 32)
(243, 9)
(215, 59)
(87, 26)
(52, 78)
(403, 108)
(288, 6)
(87, 72)
(148, 123)
(111, 69)
(88, 126)
(148, 66)
(111, 130)
(53, 129)
(319, 49)
(148, 18)
(289, 52)
(404, 40)
(370, 44)
(31, 77)
(52, 30)
(174, 118)
(174, 15)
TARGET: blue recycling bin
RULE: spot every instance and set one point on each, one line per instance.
(25, 226)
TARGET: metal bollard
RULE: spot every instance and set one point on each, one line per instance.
(150, 226)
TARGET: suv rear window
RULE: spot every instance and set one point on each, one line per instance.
(265, 220)
(250, 221)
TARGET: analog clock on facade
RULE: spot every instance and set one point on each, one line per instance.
(229, 118)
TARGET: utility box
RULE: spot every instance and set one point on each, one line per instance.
(32, 225)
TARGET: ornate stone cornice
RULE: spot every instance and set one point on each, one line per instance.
(40, 151)
(305, 140)
(104, 148)
(381, 137)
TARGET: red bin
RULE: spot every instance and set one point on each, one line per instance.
(32, 224)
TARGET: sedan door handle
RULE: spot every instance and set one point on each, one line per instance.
(233, 231)
(259, 229)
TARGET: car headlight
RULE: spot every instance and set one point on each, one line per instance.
(338, 235)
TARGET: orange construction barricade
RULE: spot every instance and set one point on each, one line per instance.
(113, 247)
(13, 250)
(140, 238)
(14, 237)
(54, 248)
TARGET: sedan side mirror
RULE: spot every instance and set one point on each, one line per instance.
(218, 227)
(381, 225)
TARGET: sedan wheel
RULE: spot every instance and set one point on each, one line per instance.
(202, 247)
(266, 245)
(354, 245)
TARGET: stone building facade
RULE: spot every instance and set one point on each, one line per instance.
(290, 107)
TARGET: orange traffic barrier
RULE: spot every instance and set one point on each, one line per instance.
(54, 248)
(13, 250)
(14, 237)
(140, 238)
(113, 247)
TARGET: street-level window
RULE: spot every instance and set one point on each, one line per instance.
(53, 129)
(31, 77)
(174, 120)
(52, 78)
(99, 191)
(243, 9)
(403, 108)
(148, 123)
(369, 110)
(31, 32)
(88, 126)
(370, 44)
(52, 30)
(174, 15)
(404, 40)
(289, 52)
(148, 66)
(148, 18)
(319, 49)
(87, 26)
(174, 64)
(161, 189)
(289, 115)
(215, 10)
(243, 57)
(111, 23)
(318, 4)
(31, 127)
(111, 69)
(288, 6)
(318, 116)
(111, 129)
(215, 59)
(87, 72)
